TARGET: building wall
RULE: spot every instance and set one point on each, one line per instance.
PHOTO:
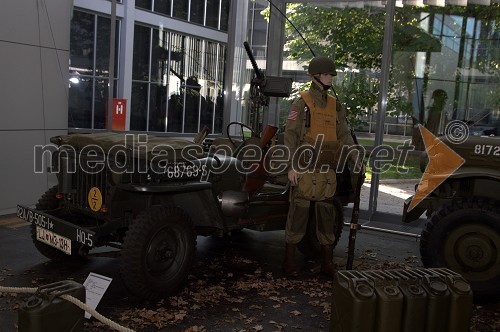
(34, 44)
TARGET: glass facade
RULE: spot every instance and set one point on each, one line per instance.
(445, 63)
(177, 83)
(209, 13)
(89, 70)
(175, 80)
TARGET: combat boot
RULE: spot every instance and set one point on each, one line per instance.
(327, 265)
(289, 267)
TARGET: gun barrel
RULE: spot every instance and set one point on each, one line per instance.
(252, 60)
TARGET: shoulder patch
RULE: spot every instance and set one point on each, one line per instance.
(293, 114)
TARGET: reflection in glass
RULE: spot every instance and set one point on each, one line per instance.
(212, 14)
(82, 42)
(175, 111)
(89, 62)
(100, 103)
(224, 15)
(139, 106)
(181, 9)
(444, 61)
(197, 11)
(140, 65)
(144, 4)
(80, 102)
(162, 7)
(157, 108)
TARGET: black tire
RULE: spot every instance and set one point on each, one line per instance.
(158, 251)
(49, 202)
(309, 246)
(464, 236)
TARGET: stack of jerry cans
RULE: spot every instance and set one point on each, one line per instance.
(430, 300)
(414, 301)
(354, 303)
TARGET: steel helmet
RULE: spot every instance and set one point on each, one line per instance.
(322, 65)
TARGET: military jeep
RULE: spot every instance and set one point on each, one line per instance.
(463, 228)
(149, 197)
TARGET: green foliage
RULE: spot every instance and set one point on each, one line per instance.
(358, 93)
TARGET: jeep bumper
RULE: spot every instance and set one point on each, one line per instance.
(55, 231)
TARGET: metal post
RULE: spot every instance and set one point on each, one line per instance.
(382, 102)
(112, 37)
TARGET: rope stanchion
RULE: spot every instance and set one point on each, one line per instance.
(75, 301)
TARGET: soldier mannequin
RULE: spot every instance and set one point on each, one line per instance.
(314, 113)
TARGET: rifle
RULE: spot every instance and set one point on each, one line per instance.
(354, 226)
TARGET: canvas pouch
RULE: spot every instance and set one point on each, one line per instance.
(316, 186)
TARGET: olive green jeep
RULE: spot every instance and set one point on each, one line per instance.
(150, 197)
(463, 228)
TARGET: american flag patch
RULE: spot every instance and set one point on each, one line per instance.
(293, 114)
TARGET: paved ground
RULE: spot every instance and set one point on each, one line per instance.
(236, 283)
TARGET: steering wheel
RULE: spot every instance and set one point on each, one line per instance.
(242, 126)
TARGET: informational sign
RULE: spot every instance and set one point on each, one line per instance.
(95, 287)
(119, 113)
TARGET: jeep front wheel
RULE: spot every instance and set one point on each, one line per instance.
(464, 236)
(158, 251)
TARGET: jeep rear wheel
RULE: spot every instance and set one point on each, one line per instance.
(48, 202)
(309, 246)
(158, 251)
(464, 236)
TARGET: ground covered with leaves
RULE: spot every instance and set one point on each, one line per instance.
(232, 293)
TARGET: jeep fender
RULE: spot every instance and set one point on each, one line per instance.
(195, 198)
(483, 182)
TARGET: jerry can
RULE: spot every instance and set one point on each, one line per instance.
(354, 303)
(460, 300)
(438, 299)
(389, 301)
(414, 309)
(46, 312)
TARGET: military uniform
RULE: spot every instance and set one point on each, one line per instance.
(296, 134)
(315, 113)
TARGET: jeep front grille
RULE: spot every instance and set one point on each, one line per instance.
(84, 181)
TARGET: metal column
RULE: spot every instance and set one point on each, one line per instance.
(274, 57)
(382, 102)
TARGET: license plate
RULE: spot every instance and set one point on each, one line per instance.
(52, 239)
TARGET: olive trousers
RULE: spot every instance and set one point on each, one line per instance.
(298, 218)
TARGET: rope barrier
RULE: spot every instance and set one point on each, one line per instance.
(75, 301)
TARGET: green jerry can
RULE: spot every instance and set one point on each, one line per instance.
(354, 303)
(389, 301)
(438, 299)
(45, 311)
(460, 300)
(414, 301)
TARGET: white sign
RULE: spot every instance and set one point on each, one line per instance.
(95, 287)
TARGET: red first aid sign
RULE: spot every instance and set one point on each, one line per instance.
(119, 113)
